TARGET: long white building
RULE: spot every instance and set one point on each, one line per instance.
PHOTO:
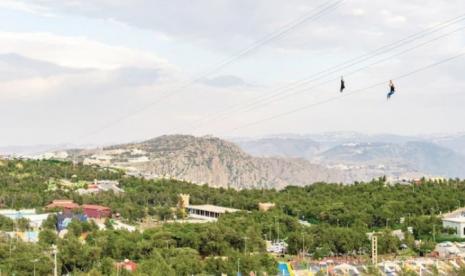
(208, 212)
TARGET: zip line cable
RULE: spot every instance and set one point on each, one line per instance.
(305, 89)
(344, 65)
(326, 8)
(273, 36)
(314, 15)
(358, 91)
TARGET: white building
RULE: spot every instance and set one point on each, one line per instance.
(208, 212)
(457, 223)
(35, 220)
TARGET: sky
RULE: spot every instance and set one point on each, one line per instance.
(110, 71)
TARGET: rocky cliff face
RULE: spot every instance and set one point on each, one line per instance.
(210, 160)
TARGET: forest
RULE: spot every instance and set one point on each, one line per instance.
(339, 217)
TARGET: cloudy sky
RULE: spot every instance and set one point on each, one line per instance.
(107, 71)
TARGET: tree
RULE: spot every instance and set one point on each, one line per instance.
(47, 237)
(387, 242)
(155, 266)
(50, 222)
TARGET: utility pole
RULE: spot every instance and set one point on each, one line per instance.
(303, 246)
(374, 249)
(34, 262)
(55, 266)
(277, 226)
(434, 233)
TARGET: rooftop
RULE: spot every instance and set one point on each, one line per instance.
(456, 219)
(68, 204)
(456, 213)
(213, 208)
(95, 207)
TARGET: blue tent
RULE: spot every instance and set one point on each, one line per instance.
(64, 219)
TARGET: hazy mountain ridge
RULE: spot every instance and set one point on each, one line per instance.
(365, 156)
(211, 160)
(280, 160)
(287, 147)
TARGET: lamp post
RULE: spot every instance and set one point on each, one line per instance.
(55, 253)
(34, 264)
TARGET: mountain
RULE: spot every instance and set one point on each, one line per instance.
(208, 160)
(283, 147)
(425, 157)
(366, 156)
(309, 145)
(453, 142)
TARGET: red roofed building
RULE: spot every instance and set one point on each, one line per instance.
(96, 211)
(65, 204)
(127, 265)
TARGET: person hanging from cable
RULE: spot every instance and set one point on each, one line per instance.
(392, 90)
(343, 85)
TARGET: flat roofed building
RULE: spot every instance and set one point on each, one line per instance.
(208, 211)
(457, 223)
(96, 211)
(35, 220)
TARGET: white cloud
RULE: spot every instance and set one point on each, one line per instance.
(25, 7)
(28, 89)
(90, 82)
(76, 52)
(358, 12)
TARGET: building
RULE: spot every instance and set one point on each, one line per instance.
(457, 223)
(35, 220)
(90, 210)
(208, 212)
(64, 219)
(183, 201)
(96, 211)
(101, 186)
(63, 204)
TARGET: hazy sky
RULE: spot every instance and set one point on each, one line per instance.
(72, 71)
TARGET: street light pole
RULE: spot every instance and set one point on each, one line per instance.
(55, 253)
(34, 265)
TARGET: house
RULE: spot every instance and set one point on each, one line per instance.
(127, 265)
(90, 210)
(96, 211)
(64, 204)
(457, 223)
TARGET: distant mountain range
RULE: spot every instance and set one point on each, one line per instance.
(370, 155)
(280, 160)
(207, 160)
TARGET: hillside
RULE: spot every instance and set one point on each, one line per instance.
(209, 160)
(420, 156)
(367, 156)
(285, 147)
